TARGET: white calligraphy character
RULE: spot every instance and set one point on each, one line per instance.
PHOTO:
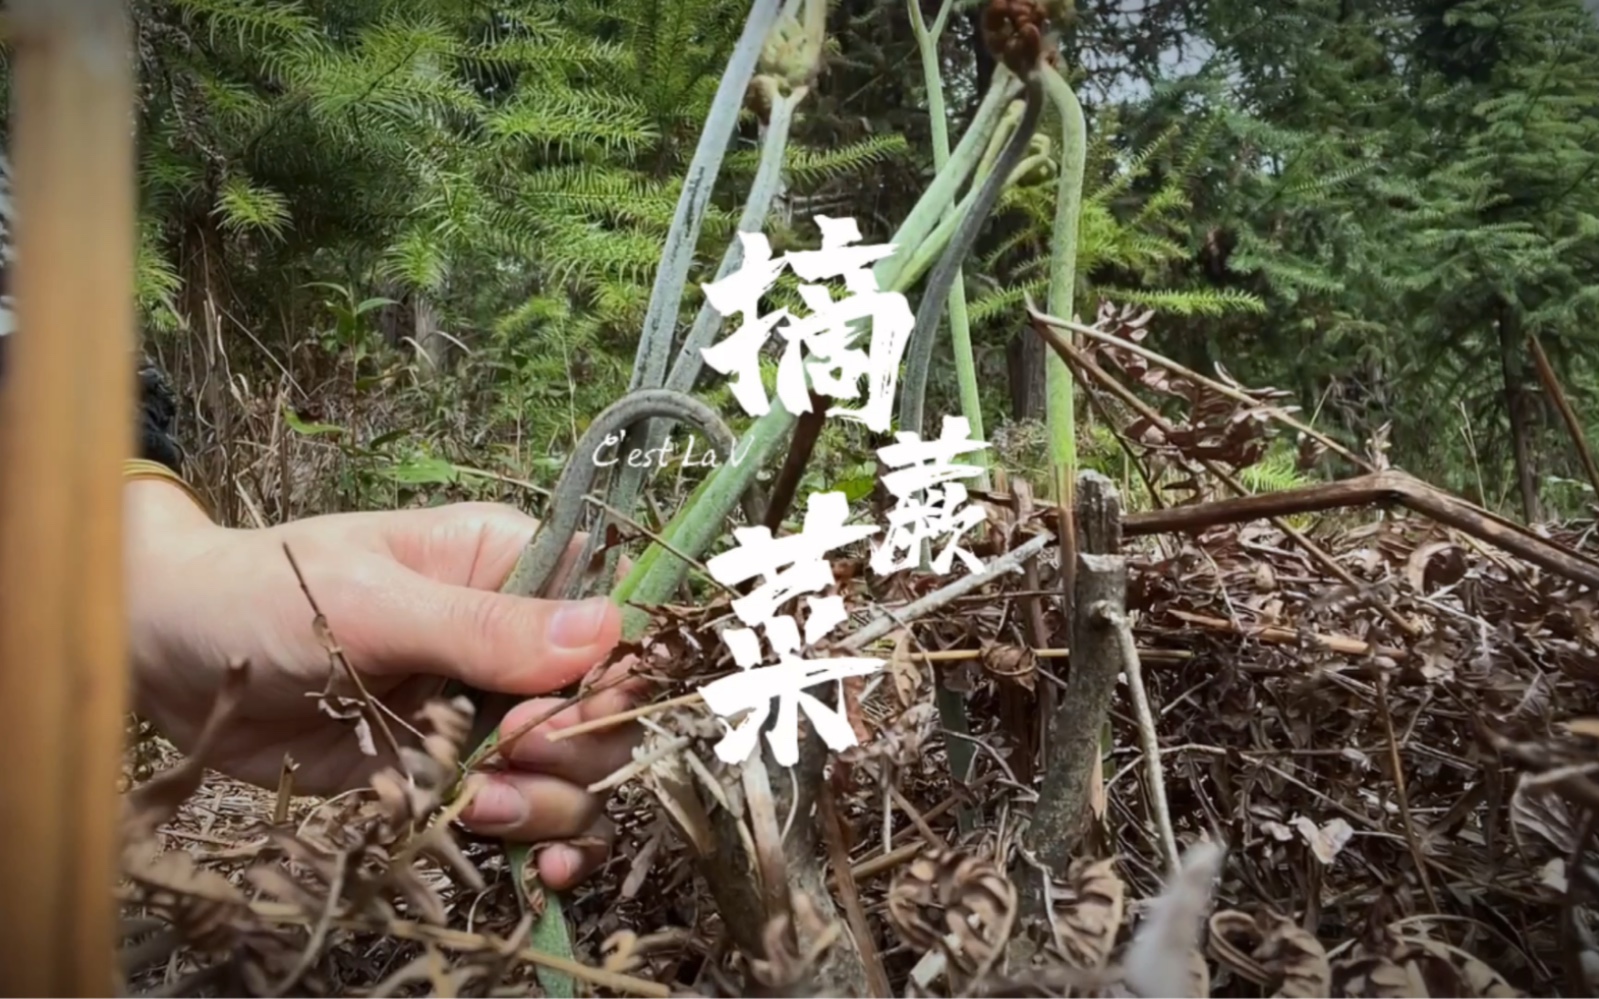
(789, 567)
(926, 467)
(828, 335)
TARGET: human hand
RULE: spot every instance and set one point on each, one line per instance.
(411, 596)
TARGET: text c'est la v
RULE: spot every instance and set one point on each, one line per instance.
(605, 455)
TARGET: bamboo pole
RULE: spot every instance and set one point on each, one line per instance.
(65, 427)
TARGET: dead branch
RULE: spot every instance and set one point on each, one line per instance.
(1280, 415)
(1387, 487)
(1159, 809)
(1081, 364)
(1101, 582)
(945, 595)
(1551, 384)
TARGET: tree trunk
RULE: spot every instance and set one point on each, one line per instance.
(1024, 361)
(1519, 406)
(737, 879)
(200, 267)
(395, 321)
(431, 348)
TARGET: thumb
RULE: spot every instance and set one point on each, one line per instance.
(494, 641)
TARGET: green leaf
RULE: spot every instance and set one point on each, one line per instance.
(419, 471)
(857, 487)
(550, 933)
(299, 426)
(374, 303)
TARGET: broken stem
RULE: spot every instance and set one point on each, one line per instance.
(1159, 807)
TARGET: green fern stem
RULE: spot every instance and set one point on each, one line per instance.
(757, 205)
(926, 254)
(654, 351)
(951, 703)
(658, 573)
(671, 277)
(1060, 401)
(768, 174)
(929, 225)
(960, 327)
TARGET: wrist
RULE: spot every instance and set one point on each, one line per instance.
(155, 489)
(166, 535)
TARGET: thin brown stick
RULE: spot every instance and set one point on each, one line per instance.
(917, 818)
(882, 862)
(1551, 384)
(872, 867)
(1274, 635)
(336, 652)
(64, 433)
(849, 894)
(944, 595)
(484, 754)
(1159, 808)
(285, 796)
(623, 717)
(1401, 793)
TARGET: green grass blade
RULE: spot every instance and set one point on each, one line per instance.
(550, 933)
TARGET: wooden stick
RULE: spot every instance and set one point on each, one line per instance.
(66, 424)
(1382, 487)
(1551, 384)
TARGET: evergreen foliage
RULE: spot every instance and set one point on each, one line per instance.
(511, 167)
(1371, 204)
(1392, 178)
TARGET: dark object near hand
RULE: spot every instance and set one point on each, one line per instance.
(158, 417)
(158, 411)
(158, 404)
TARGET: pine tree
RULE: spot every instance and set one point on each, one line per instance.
(1509, 95)
(505, 172)
(1392, 178)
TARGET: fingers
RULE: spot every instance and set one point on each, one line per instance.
(583, 759)
(564, 865)
(543, 796)
(489, 640)
(468, 544)
(473, 544)
(448, 618)
(530, 808)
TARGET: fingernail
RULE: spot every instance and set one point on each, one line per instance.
(497, 804)
(576, 625)
(563, 863)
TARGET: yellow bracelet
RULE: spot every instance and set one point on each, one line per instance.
(143, 468)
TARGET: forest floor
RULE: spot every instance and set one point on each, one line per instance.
(1281, 701)
(1390, 725)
